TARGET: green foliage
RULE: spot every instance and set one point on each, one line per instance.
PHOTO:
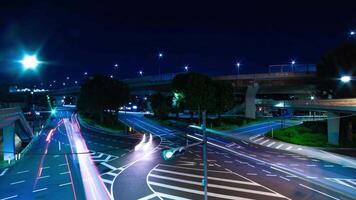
(160, 105)
(340, 61)
(198, 90)
(223, 98)
(102, 93)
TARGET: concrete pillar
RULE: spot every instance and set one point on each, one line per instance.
(250, 101)
(9, 142)
(333, 123)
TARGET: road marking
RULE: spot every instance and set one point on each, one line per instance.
(346, 182)
(64, 164)
(41, 177)
(227, 161)
(288, 148)
(284, 178)
(271, 175)
(107, 181)
(216, 186)
(272, 143)
(64, 184)
(111, 173)
(39, 190)
(311, 165)
(21, 172)
(264, 142)
(196, 191)
(279, 146)
(195, 169)
(199, 176)
(108, 166)
(3, 172)
(45, 167)
(312, 177)
(268, 172)
(328, 165)
(258, 139)
(251, 174)
(315, 190)
(14, 183)
(148, 197)
(6, 198)
(67, 172)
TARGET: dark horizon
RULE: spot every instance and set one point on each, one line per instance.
(76, 37)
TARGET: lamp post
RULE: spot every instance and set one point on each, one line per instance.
(160, 56)
(292, 63)
(238, 69)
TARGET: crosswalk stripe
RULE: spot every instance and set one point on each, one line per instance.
(258, 139)
(107, 181)
(108, 166)
(196, 191)
(289, 148)
(272, 143)
(169, 196)
(264, 142)
(110, 173)
(218, 186)
(195, 169)
(209, 178)
(279, 146)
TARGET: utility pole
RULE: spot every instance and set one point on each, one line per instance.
(205, 180)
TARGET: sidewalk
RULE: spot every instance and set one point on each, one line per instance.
(255, 134)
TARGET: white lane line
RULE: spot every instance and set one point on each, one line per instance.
(39, 190)
(148, 197)
(216, 186)
(268, 172)
(3, 172)
(195, 169)
(270, 144)
(64, 184)
(264, 142)
(315, 190)
(288, 148)
(41, 177)
(17, 182)
(62, 173)
(311, 165)
(168, 196)
(45, 167)
(11, 197)
(64, 164)
(251, 174)
(107, 181)
(108, 166)
(271, 175)
(21, 172)
(222, 196)
(258, 139)
(284, 178)
(279, 146)
(111, 173)
(227, 161)
(209, 178)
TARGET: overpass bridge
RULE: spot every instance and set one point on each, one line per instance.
(13, 122)
(333, 107)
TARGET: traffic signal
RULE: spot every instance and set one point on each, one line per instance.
(167, 154)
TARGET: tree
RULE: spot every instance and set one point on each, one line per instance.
(198, 91)
(102, 93)
(337, 63)
(224, 98)
(160, 105)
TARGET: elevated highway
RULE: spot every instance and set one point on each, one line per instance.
(13, 122)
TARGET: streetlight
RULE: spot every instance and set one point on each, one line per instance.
(186, 68)
(238, 69)
(352, 33)
(141, 73)
(111, 76)
(345, 79)
(30, 62)
(160, 56)
(85, 73)
(293, 63)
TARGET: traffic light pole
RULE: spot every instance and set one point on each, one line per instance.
(205, 180)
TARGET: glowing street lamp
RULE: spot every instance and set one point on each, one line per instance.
(30, 62)
(186, 68)
(141, 73)
(345, 79)
(352, 33)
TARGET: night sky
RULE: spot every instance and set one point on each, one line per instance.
(77, 36)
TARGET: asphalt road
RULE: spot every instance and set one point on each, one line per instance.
(238, 170)
(60, 162)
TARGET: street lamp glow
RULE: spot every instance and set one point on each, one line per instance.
(312, 97)
(160, 55)
(186, 68)
(85, 73)
(30, 62)
(116, 65)
(140, 72)
(292, 62)
(352, 33)
(53, 111)
(345, 79)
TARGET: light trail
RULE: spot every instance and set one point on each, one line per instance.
(93, 185)
(139, 146)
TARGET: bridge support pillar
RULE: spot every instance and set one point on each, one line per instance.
(333, 124)
(9, 142)
(250, 101)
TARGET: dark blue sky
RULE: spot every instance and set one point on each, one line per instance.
(77, 36)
